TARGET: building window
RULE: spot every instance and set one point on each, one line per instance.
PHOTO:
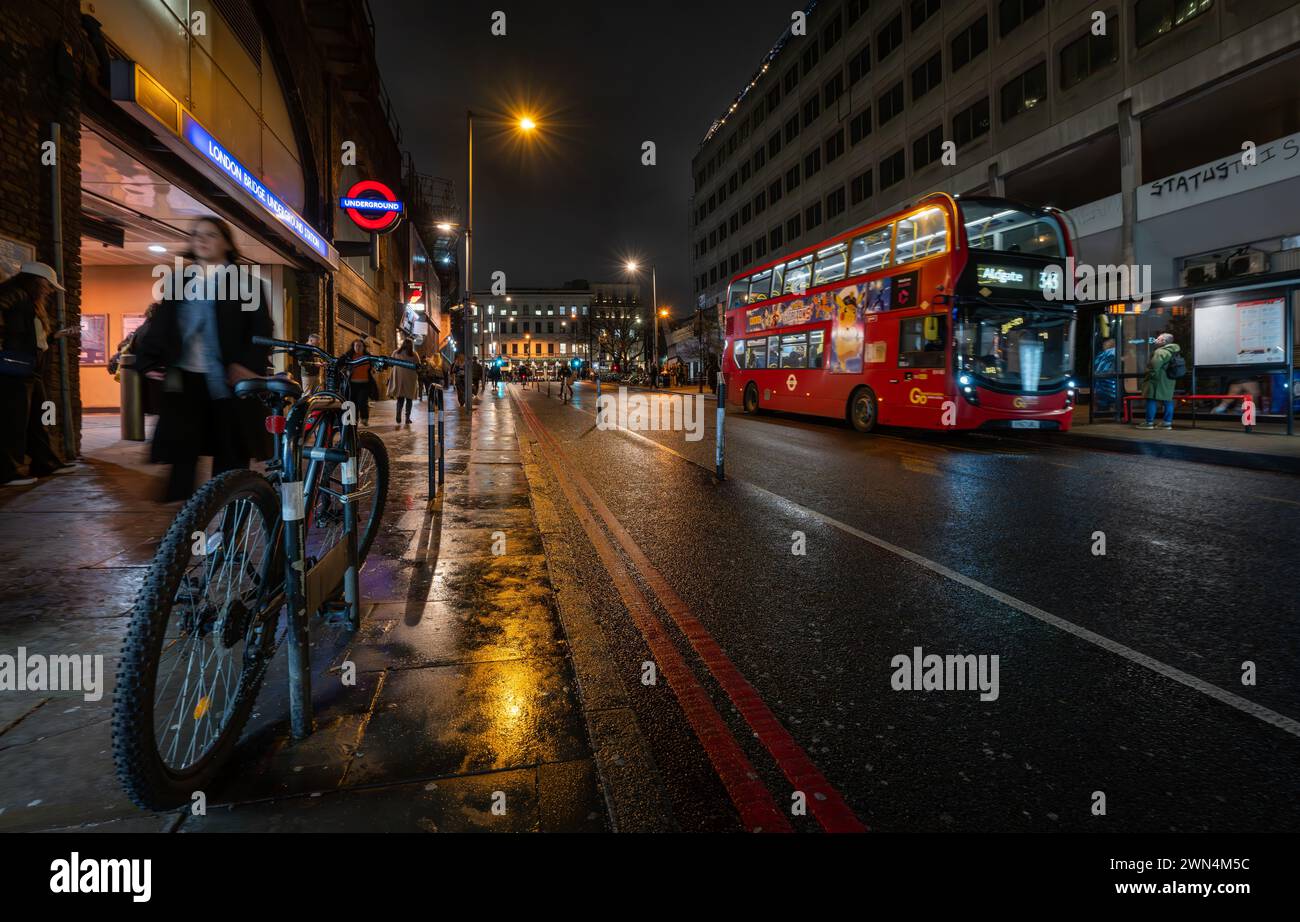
(860, 188)
(733, 183)
(760, 247)
(760, 158)
(1088, 54)
(774, 192)
(1025, 91)
(776, 238)
(833, 90)
(927, 148)
(747, 255)
(854, 9)
(810, 56)
(812, 162)
(832, 33)
(1155, 18)
(1012, 13)
(971, 123)
(892, 169)
(811, 109)
(835, 204)
(834, 146)
(792, 228)
(860, 64)
(745, 213)
(860, 126)
(923, 10)
(760, 202)
(791, 79)
(970, 43)
(746, 170)
(927, 76)
(760, 112)
(890, 37)
(734, 223)
(792, 178)
(891, 103)
(774, 144)
(773, 98)
(812, 215)
(792, 128)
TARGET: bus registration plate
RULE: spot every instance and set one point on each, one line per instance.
(1026, 424)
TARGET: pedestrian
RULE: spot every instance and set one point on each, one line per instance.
(1164, 368)
(566, 382)
(458, 378)
(361, 381)
(313, 367)
(25, 332)
(404, 383)
(204, 347)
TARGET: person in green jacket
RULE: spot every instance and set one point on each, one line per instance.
(1157, 386)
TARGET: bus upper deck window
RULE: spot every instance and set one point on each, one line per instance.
(830, 264)
(798, 272)
(760, 286)
(870, 251)
(778, 276)
(923, 234)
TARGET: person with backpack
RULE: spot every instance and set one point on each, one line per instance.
(1164, 369)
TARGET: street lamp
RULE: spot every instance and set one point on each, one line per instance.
(632, 268)
(526, 125)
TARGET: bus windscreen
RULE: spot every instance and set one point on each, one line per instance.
(994, 227)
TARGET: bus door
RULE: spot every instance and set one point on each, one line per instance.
(924, 383)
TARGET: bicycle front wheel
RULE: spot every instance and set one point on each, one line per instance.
(198, 643)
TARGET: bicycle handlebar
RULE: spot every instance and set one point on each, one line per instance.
(289, 346)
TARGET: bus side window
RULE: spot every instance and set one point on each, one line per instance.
(798, 272)
(922, 341)
(815, 341)
(738, 353)
(774, 352)
(760, 286)
(794, 350)
(757, 352)
(923, 234)
(739, 292)
(871, 251)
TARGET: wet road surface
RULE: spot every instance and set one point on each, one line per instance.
(826, 554)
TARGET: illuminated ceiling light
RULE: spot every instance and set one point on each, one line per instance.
(157, 248)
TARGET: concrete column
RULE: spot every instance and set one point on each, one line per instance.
(997, 186)
(1130, 165)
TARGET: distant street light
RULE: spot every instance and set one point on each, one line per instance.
(632, 268)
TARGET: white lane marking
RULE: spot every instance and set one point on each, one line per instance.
(1258, 711)
(1281, 721)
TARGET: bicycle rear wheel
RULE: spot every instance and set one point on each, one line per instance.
(327, 510)
(197, 644)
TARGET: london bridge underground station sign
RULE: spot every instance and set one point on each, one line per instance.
(144, 97)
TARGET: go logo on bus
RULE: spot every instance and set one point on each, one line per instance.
(919, 397)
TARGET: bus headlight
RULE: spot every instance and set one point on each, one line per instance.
(965, 380)
(969, 393)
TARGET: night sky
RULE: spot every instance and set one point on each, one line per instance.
(601, 78)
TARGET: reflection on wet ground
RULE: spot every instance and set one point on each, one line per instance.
(462, 713)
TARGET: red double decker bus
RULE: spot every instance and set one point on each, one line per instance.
(936, 317)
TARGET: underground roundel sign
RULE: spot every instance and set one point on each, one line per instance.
(372, 206)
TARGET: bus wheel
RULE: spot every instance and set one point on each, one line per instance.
(751, 398)
(862, 409)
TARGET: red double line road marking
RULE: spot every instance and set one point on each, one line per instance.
(823, 799)
(753, 801)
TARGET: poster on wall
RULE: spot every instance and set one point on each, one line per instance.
(131, 323)
(1245, 333)
(94, 339)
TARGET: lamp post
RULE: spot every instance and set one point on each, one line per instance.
(654, 306)
(524, 124)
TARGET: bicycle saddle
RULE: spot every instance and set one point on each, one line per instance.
(282, 386)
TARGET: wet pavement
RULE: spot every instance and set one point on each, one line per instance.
(464, 714)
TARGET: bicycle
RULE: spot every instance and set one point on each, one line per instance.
(246, 563)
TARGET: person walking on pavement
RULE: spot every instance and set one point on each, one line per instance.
(1163, 371)
(312, 367)
(566, 382)
(203, 348)
(25, 333)
(362, 388)
(404, 383)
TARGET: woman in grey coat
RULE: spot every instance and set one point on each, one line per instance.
(404, 383)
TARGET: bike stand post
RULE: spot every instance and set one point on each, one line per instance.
(351, 576)
(292, 505)
(433, 480)
(442, 443)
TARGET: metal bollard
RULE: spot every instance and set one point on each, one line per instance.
(132, 400)
(442, 441)
(719, 455)
(433, 480)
